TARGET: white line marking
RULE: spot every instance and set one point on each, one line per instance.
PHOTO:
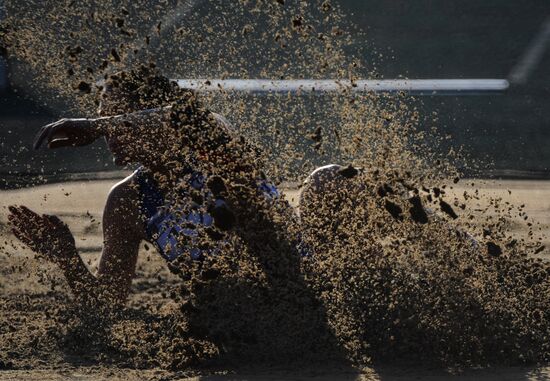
(419, 86)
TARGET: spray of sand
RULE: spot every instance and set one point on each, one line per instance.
(398, 268)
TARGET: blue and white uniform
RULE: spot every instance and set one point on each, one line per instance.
(164, 223)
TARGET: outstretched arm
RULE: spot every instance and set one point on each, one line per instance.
(190, 121)
(83, 131)
(161, 132)
(50, 237)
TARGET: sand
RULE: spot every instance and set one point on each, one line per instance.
(389, 282)
(80, 205)
(370, 374)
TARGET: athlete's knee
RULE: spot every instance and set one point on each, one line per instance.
(328, 179)
(322, 177)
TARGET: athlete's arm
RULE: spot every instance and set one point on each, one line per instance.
(83, 131)
(50, 237)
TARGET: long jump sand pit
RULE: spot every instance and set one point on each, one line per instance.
(371, 374)
(80, 204)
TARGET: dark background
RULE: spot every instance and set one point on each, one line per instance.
(509, 132)
(472, 39)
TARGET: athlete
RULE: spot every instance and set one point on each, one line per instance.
(181, 146)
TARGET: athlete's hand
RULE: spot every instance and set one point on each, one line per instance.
(68, 133)
(43, 234)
